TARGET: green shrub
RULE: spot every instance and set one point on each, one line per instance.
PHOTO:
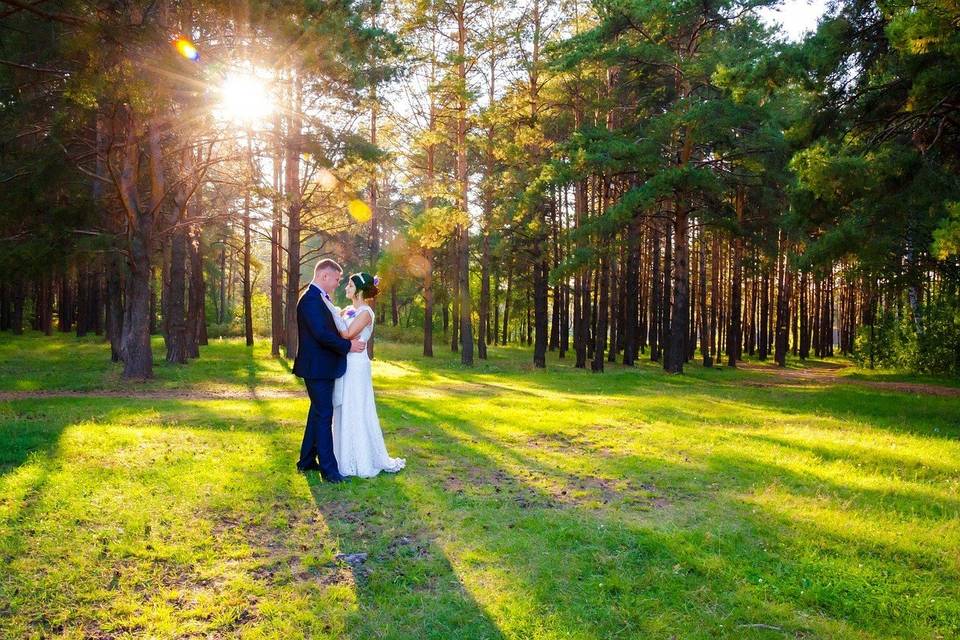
(894, 342)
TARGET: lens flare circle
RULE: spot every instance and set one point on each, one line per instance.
(186, 49)
(326, 179)
(359, 210)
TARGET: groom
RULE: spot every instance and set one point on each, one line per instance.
(321, 359)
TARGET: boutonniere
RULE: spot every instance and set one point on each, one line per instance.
(350, 312)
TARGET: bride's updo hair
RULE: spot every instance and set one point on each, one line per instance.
(366, 284)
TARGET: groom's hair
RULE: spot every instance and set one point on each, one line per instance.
(327, 263)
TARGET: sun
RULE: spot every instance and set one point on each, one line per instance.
(245, 97)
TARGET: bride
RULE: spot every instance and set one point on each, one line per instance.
(357, 439)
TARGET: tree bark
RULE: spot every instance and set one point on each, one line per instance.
(506, 305)
(428, 304)
(247, 293)
(783, 310)
(540, 271)
(655, 297)
(6, 306)
(175, 300)
(705, 329)
(197, 310)
(463, 248)
(16, 317)
(276, 250)
(805, 318)
(292, 190)
(666, 295)
(680, 316)
(135, 348)
(600, 337)
(734, 331)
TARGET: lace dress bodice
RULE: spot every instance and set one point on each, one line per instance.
(367, 332)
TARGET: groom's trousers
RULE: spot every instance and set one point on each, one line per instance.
(318, 435)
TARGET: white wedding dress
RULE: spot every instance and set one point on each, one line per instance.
(357, 438)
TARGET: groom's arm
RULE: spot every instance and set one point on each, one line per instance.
(312, 310)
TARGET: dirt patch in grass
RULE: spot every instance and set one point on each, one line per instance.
(827, 373)
(287, 552)
(259, 393)
(535, 490)
(569, 444)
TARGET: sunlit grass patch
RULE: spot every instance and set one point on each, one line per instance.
(536, 504)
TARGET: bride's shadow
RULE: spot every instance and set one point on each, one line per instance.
(404, 582)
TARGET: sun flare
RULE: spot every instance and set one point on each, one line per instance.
(246, 98)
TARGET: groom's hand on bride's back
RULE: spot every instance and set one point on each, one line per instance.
(357, 346)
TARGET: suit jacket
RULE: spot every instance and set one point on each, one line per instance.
(322, 353)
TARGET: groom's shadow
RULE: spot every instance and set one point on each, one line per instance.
(404, 582)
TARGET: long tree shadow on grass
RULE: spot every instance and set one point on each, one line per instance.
(405, 584)
(35, 362)
(412, 590)
(901, 498)
(27, 429)
(889, 410)
(759, 536)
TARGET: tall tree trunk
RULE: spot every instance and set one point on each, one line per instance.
(655, 297)
(715, 294)
(176, 323)
(582, 282)
(247, 284)
(135, 348)
(783, 309)
(506, 305)
(428, 204)
(455, 293)
(603, 304)
(65, 303)
(680, 316)
(705, 328)
(540, 271)
(43, 305)
(734, 331)
(16, 318)
(667, 295)
(197, 309)
(6, 307)
(276, 249)
(114, 305)
(613, 322)
(463, 249)
(734, 327)
(764, 339)
(372, 188)
(428, 304)
(632, 292)
(175, 298)
(292, 191)
(751, 315)
(483, 329)
(804, 318)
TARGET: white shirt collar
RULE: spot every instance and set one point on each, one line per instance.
(322, 292)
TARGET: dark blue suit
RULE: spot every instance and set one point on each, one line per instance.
(321, 359)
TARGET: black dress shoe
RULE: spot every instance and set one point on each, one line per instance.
(312, 467)
(334, 479)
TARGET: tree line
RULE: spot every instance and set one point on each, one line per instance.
(607, 180)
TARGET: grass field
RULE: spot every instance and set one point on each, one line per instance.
(535, 504)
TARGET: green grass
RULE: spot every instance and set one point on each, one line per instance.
(536, 504)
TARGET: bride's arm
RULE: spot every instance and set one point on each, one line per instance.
(359, 323)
